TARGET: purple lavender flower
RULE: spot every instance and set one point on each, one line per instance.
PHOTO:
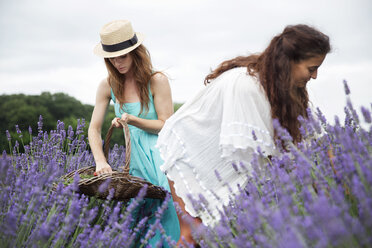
(217, 175)
(151, 232)
(281, 132)
(254, 135)
(70, 133)
(80, 126)
(366, 114)
(9, 225)
(18, 131)
(40, 123)
(60, 126)
(8, 135)
(304, 197)
(346, 88)
(138, 229)
(135, 202)
(104, 186)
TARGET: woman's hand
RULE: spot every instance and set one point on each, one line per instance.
(126, 118)
(102, 167)
(115, 122)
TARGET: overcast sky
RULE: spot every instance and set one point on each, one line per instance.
(48, 45)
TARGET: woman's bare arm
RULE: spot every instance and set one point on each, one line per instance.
(94, 132)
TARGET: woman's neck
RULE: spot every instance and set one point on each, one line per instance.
(129, 75)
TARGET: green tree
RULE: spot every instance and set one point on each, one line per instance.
(24, 111)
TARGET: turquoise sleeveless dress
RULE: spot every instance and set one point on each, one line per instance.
(145, 163)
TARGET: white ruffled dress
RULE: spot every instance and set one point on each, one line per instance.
(210, 132)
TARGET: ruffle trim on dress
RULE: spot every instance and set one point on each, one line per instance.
(242, 136)
(172, 151)
(171, 147)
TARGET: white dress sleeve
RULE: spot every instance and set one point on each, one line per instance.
(246, 119)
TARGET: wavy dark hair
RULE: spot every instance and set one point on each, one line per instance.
(273, 68)
(142, 71)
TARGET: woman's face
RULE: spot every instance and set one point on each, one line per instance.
(304, 70)
(122, 63)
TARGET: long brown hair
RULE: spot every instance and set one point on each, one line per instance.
(273, 68)
(142, 71)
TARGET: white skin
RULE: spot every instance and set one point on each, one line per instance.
(162, 96)
(305, 70)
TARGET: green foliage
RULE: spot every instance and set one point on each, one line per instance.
(24, 111)
(177, 105)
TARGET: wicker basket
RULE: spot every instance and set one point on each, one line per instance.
(125, 185)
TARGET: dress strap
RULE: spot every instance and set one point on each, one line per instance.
(113, 96)
(150, 93)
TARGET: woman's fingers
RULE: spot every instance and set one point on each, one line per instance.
(125, 117)
(115, 122)
(102, 169)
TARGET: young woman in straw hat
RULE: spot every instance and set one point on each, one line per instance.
(243, 95)
(142, 98)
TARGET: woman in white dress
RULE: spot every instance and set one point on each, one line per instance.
(232, 116)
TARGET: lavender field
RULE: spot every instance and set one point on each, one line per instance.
(316, 194)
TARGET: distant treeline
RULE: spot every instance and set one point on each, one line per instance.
(24, 111)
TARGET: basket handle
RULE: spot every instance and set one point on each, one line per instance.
(106, 146)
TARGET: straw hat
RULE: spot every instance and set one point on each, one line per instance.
(117, 38)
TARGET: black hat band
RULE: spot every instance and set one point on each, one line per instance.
(120, 46)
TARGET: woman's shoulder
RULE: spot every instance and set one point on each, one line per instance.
(104, 88)
(159, 81)
(237, 74)
(104, 83)
(158, 78)
(238, 71)
(239, 79)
